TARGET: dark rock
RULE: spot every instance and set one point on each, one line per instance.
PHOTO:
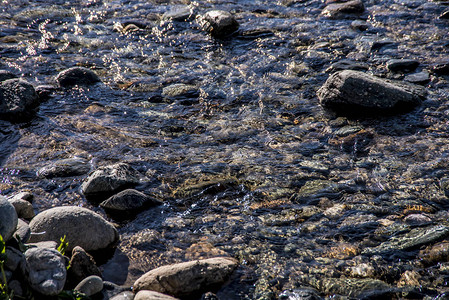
(339, 10)
(415, 238)
(417, 220)
(402, 65)
(18, 99)
(108, 180)
(44, 92)
(360, 25)
(45, 270)
(90, 286)
(5, 75)
(82, 265)
(444, 15)
(435, 254)
(128, 202)
(441, 69)
(418, 78)
(15, 259)
(187, 279)
(65, 168)
(81, 227)
(300, 294)
(77, 76)
(8, 219)
(313, 190)
(352, 91)
(347, 64)
(352, 287)
(23, 231)
(218, 23)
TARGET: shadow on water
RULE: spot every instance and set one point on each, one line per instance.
(9, 137)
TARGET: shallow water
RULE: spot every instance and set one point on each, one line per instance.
(249, 165)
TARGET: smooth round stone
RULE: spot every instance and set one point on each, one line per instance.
(18, 99)
(8, 219)
(77, 76)
(219, 23)
(24, 209)
(151, 295)
(65, 167)
(90, 285)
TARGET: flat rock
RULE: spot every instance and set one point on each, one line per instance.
(65, 167)
(402, 65)
(108, 180)
(81, 227)
(151, 295)
(128, 201)
(8, 219)
(353, 91)
(188, 278)
(415, 238)
(418, 78)
(45, 270)
(179, 90)
(77, 76)
(178, 13)
(90, 285)
(18, 99)
(219, 23)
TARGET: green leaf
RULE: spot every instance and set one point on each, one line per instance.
(63, 246)
(2, 245)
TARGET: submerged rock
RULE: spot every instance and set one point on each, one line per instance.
(300, 294)
(8, 218)
(45, 270)
(77, 76)
(178, 13)
(402, 65)
(110, 179)
(81, 227)
(188, 278)
(354, 287)
(218, 23)
(413, 239)
(18, 99)
(65, 167)
(353, 91)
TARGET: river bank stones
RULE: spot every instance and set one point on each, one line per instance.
(184, 279)
(77, 76)
(8, 218)
(218, 23)
(18, 99)
(354, 92)
(45, 270)
(81, 227)
(107, 180)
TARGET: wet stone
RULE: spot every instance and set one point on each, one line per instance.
(357, 92)
(347, 64)
(218, 23)
(402, 65)
(435, 254)
(5, 75)
(65, 168)
(340, 10)
(313, 190)
(441, 68)
(178, 13)
(360, 25)
(353, 287)
(417, 220)
(180, 90)
(415, 238)
(418, 78)
(300, 294)
(18, 100)
(77, 76)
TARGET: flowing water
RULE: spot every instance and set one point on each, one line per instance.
(248, 164)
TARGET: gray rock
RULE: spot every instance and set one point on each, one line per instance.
(17, 288)
(180, 90)
(82, 265)
(128, 201)
(218, 23)
(5, 75)
(402, 65)
(124, 296)
(360, 25)
(27, 196)
(45, 244)
(300, 294)
(340, 10)
(347, 64)
(15, 260)
(178, 13)
(187, 278)
(24, 209)
(77, 76)
(418, 78)
(151, 295)
(18, 99)
(90, 285)
(352, 287)
(8, 219)
(23, 231)
(81, 227)
(45, 270)
(353, 91)
(415, 238)
(65, 167)
(110, 179)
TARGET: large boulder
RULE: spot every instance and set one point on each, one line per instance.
(81, 227)
(188, 278)
(351, 91)
(77, 76)
(18, 99)
(8, 218)
(108, 180)
(45, 270)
